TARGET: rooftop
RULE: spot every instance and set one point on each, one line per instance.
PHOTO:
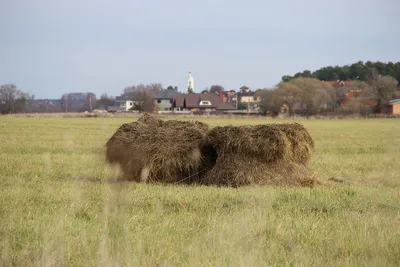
(166, 94)
(123, 98)
(394, 101)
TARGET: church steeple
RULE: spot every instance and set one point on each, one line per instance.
(190, 88)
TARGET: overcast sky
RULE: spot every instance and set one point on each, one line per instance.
(50, 47)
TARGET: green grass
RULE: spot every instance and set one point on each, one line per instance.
(48, 217)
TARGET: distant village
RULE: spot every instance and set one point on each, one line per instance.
(168, 100)
(165, 101)
(217, 100)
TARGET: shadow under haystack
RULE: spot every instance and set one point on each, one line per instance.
(153, 150)
(260, 155)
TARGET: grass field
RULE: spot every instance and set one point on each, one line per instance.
(52, 215)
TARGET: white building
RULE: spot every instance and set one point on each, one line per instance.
(190, 82)
(122, 104)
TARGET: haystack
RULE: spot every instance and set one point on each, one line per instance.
(260, 155)
(301, 142)
(152, 150)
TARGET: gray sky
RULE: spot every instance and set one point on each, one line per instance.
(50, 47)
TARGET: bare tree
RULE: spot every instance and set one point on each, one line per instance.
(13, 100)
(289, 94)
(315, 96)
(143, 96)
(104, 102)
(91, 101)
(270, 100)
(383, 90)
(153, 88)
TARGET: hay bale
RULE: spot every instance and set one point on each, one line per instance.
(261, 141)
(234, 171)
(147, 118)
(153, 150)
(172, 151)
(117, 145)
(259, 155)
(301, 142)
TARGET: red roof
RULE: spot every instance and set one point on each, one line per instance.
(191, 101)
(338, 82)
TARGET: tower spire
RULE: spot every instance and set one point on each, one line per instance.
(190, 88)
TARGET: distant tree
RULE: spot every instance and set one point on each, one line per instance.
(241, 106)
(286, 78)
(104, 102)
(205, 91)
(311, 95)
(190, 90)
(172, 88)
(367, 72)
(315, 95)
(143, 96)
(91, 101)
(152, 88)
(383, 90)
(13, 100)
(270, 101)
(216, 89)
(244, 88)
(143, 101)
(287, 93)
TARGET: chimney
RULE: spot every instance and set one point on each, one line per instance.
(221, 96)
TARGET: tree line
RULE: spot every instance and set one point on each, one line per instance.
(367, 72)
(13, 100)
(309, 96)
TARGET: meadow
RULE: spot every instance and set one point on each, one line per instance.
(61, 206)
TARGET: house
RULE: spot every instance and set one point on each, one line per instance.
(394, 106)
(250, 99)
(201, 102)
(229, 96)
(339, 83)
(345, 98)
(122, 103)
(163, 99)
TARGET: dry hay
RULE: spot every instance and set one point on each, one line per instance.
(152, 150)
(269, 142)
(232, 170)
(301, 142)
(172, 151)
(260, 155)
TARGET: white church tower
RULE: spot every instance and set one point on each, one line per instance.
(190, 88)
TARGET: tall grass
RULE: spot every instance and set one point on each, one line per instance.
(57, 208)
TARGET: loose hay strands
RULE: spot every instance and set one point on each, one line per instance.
(153, 150)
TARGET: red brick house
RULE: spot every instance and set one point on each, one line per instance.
(394, 107)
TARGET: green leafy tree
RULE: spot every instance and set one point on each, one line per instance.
(172, 88)
(367, 72)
